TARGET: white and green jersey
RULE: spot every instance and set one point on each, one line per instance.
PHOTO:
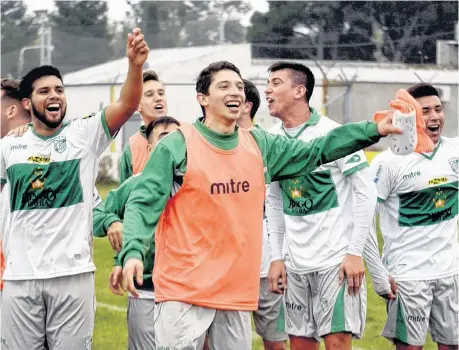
(51, 194)
(418, 211)
(318, 206)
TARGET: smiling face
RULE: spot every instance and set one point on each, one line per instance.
(154, 102)
(282, 93)
(226, 96)
(433, 114)
(47, 102)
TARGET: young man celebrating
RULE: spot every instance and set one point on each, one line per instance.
(269, 317)
(51, 173)
(325, 228)
(417, 195)
(207, 260)
(111, 213)
(152, 105)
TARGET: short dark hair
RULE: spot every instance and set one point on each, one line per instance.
(422, 90)
(207, 74)
(11, 88)
(301, 75)
(160, 121)
(252, 95)
(26, 85)
(150, 75)
(205, 77)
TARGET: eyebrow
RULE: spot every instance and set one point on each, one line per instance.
(275, 78)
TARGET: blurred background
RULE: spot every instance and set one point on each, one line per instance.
(361, 52)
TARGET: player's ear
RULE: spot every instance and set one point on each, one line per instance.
(11, 111)
(300, 91)
(202, 99)
(27, 104)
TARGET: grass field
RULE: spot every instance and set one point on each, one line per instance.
(110, 331)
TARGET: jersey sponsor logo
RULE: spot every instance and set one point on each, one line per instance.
(60, 144)
(18, 147)
(39, 159)
(378, 174)
(354, 159)
(438, 181)
(416, 318)
(229, 187)
(39, 196)
(90, 116)
(293, 306)
(411, 175)
(454, 162)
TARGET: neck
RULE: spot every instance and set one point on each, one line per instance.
(245, 121)
(295, 116)
(43, 130)
(147, 121)
(220, 125)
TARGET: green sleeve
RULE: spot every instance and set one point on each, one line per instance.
(288, 158)
(99, 217)
(112, 208)
(116, 260)
(126, 164)
(150, 196)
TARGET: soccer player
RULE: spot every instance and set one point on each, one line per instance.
(325, 227)
(110, 213)
(49, 276)
(152, 105)
(13, 113)
(417, 195)
(269, 317)
(208, 236)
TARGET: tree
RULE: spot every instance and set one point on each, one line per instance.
(396, 31)
(298, 30)
(81, 35)
(18, 30)
(188, 23)
(408, 29)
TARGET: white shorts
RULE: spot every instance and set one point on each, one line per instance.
(422, 306)
(316, 305)
(182, 326)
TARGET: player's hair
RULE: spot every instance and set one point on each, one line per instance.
(422, 90)
(11, 88)
(252, 95)
(26, 85)
(301, 75)
(150, 75)
(207, 74)
(160, 121)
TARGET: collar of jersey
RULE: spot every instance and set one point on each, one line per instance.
(63, 125)
(313, 120)
(142, 130)
(431, 155)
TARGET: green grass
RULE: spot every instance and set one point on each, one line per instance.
(111, 329)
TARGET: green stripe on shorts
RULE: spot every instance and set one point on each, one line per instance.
(401, 332)
(338, 323)
(281, 319)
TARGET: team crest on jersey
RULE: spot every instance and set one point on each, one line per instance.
(454, 162)
(60, 145)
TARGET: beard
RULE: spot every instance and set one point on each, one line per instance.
(42, 117)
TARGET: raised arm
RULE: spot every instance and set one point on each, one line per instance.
(116, 114)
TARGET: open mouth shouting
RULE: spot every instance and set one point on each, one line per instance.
(233, 105)
(54, 109)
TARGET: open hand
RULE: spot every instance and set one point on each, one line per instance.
(137, 48)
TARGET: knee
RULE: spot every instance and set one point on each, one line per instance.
(302, 343)
(274, 345)
(338, 341)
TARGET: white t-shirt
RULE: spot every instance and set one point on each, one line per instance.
(318, 207)
(418, 211)
(51, 195)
